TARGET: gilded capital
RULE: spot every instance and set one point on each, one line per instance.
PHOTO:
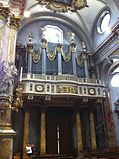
(14, 22)
(5, 102)
(4, 12)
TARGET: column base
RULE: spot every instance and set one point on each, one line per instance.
(6, 142)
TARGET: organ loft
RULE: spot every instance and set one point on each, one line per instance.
(59, 67)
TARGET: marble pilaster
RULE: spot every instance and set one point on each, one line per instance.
(79, 132)
(43, 133)
(26, 133)
(92, 131)
(111, 138)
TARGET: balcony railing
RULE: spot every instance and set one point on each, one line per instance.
(69, 85)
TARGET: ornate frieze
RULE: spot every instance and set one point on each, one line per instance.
(52, 52)
(61, 85)
(4, 12)
(67, 89)
(64, 6)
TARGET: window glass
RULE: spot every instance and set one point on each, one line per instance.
(115, 80)
(53, 34)
(105, 22)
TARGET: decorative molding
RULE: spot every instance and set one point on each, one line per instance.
(39, 88)
(114, 34)
(67, 85)
(91, 91)
(4, 12)
(52, 52)
(14, 22)
(5, 102)
(64, 6)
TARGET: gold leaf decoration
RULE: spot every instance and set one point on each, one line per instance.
(79, 59)
(36, 56)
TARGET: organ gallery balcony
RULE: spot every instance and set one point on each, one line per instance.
(61, 85)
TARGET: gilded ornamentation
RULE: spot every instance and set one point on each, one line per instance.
(64, 6)
(91, 91)
(79, 59)
(59, 48)
(66, 56)
(73, 47)
(67, 89)
(43, 43)
(57, 7)
(36, 56)
(39, 88)
(4, 12)
(78, 4)
(51, 55)
(18, 101)
(14, 22)
(30, 42)
(5, 102)
(84, 51)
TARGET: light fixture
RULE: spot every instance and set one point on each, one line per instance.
(26, 14)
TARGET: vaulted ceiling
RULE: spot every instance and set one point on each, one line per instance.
(85, 17)
(82, 20)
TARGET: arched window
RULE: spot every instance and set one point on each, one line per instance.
(115, 80)
(53, 34)
(103, 22)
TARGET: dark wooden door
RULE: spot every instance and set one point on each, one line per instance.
(58, 118)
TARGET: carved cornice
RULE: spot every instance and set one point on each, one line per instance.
(59, 6)
(4, 12)
(114, 34)
(14, 22)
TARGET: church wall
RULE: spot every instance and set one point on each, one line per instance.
(99, 38)
(114, 95)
